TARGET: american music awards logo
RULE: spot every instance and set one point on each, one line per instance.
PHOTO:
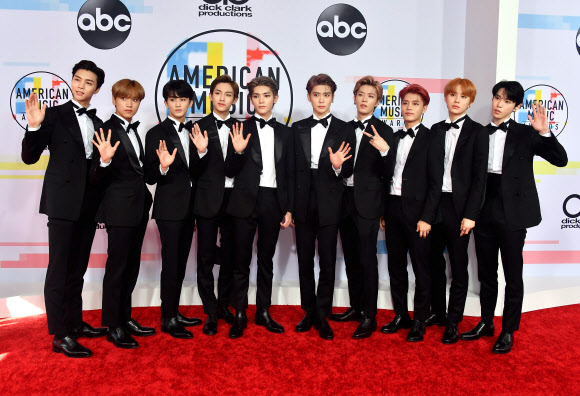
(207, 55)
(554, 102)
(50, 88)
(389, 109)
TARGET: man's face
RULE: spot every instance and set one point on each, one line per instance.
(413, 108)
(178, 107)
(263, 100)
(222, 98)
(321, 97)
(84, 85)
(457, 102)
(501, 106)
(126, 107)
(366, 100)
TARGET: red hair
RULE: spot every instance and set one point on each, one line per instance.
(415, 89)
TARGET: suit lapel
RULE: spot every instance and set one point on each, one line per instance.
(465, 133)
(255, 147)
(418, 141)
(213, 136)
(278, 144)
(510, 143)
(126, 142)
(71, 122)
(329, 140)
(173, 136)
(305, 138)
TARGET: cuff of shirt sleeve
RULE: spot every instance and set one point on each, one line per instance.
(32, 129)
(104, 165)
(201, 155)
(161, 170)
(384, 153)
(546, 134)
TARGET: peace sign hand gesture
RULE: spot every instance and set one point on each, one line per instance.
(377, 141)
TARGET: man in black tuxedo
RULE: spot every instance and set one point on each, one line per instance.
(466, 151)
(262, 198)
(214, 187)
(415, 175)
(169, 165)
(363, 205)
(321, 144)
(511, 206)
(69, 201)
(124, 210)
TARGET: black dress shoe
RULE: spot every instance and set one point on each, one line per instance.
(417, 331)
(174, 328)
(121, 338)
(210, 326)
(187, 322)
(86, 330)
(436, 320)
(263, 318)
(134, 328)
(481, 330)
(324, 330)
(69, 347)
(306, 323)
(396, 324)
(451, 334)
(350, 315)
(224, 313)
(240, 323)
(366, 328)
(504, 343)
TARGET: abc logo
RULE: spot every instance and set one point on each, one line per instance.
(341, 29)
(575, 206)
(104, 24)
(236, 2)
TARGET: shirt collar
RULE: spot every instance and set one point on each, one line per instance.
(123, 121)
(262, 118)
(460, 123)
(363, 120)
(79, 105)
(217, 117)
(175, 123)
(324, 116)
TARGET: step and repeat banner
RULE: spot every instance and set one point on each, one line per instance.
(154, 41)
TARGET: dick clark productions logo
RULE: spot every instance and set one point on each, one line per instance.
(227, 8)
(104, 24)
(341, 29)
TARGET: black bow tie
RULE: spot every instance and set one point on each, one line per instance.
(322, 121)
(92, 113)
(409, 132)
(271, 122)
(359, 124)
(503, 126)
(453, 124)
(133, 126)
(187, 126)
(229, 122)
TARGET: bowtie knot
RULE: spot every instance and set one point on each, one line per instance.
(359, 124)
(410, 132)
(504, 126)
(187, 126)
(271, 122)
(133, 126)
(229, 122)
(322, 121)
(92, 113)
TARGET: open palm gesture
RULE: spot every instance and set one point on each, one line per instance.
(238, 141)
(540, 121)
(199, 140)
(34, 113)
(338, 158)
(165, 159)
(104, 146)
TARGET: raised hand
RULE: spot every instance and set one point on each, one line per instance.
(165, 159)
(338, 158)
(104, 146)
(238, 141)
(466, 226)
(423, 229)
(287, 220)
(34, 114)
(377, 141)
(540, 121)
(199, 140)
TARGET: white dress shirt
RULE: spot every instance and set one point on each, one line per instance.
(266, 135)
(224, 134)
(317, 135)
(451, 138)
(401, 159)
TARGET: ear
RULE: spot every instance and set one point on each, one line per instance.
(235, 101)
(424, 109)
(165, 103)
(308, 97)
(276, 99)
(97, 91)
(517, 107)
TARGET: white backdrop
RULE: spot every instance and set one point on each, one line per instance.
(403, 42)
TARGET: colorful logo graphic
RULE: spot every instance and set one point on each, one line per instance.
(51, 90)
(228, 8)
(207, 55)
(554, 102)
(389, 109)
(341, 29)
(104, 24)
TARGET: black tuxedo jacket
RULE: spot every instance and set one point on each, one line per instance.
(175, 189)
(126, 197)
(248, 170)
(65, 179)
(329, 186)
(422, 175)
(469, 167)
(520, 196)
(211, 170)
(369, 171)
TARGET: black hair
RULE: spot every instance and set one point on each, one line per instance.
(92, 67)
(513, 91)
(177, 89)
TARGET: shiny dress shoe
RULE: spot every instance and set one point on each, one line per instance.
(350, 315)
(451, 334)
(263, 318)
(306, 323)
(396, 324)
(224, 313)
(504, 343)
(134, 328)
(121, 338)
(69, 347)
(324, 330)
(240, 323)
(187, 322)
(481, 330)
(366, 328)
(436, 320)
(417, 331)
(86, 330)
(210, 328)
(174, 328)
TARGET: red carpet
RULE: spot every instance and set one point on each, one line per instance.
(545, 360)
